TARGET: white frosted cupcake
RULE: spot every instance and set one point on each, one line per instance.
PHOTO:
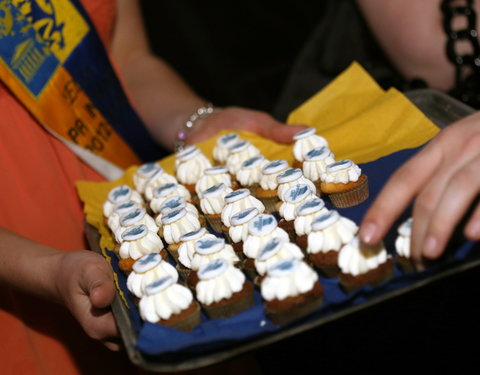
(305, 140)
(267, 192)
(238, 232)
(213, 176)
(306, 213)
(290, 290)
(169, 304)
(186, 250)
(294, 198)
(146, 270)
(223, 290)
(291, 177)
(158, 178)
(238, 153)
(118, 195)
(163, 192)
(402, 246)
(190, 167)
(345, 184)
(176, 223)
(212, 202)
(221, 149)
(176, 203)
(250, 173)
(143, 174)
(330, 232)
(113, 221)
(137, 242)
(361, 265)
(315, 164)
(134, 217)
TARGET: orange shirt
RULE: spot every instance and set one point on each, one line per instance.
(38, 200)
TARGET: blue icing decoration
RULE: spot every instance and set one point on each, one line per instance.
(408, 223)
(239, 145)
(160, 282)
(341, 162)
(150, 258)
(213, 188)
(205, 244)
(173, 213)
(214, 265)
(244, 213)
(261, 222)
(132, 214)
(289, 172)
(172, 203)
(275, 163)
(306, 131)
(164, 187)
(251, 161)
(270, 246)
(324, 217)
(148, 167)
(228, 137)
(285, 265)
(316, 152)
(135, 230)
(311, 203)
(120, 191)
(127, 204)
(298, 191)
(235, 193)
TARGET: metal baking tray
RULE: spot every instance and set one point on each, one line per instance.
(442, 110)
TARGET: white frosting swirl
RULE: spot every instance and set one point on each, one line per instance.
(270, 171)
(209, 249)
(240, 222)
(159, 178)
(343, 171)
(306, 214)
(221, 149)
(175, 203)
(119, 210)
(237, 201)
(132, 218)
(316, 162)
(163, 192)
(213, 176)
(305, 140)
(290, 178)
(137, 281)
(186, 250)
(212, 200)
(143, 174)
(222, 285)
(276, 250)
(177, 223)
(294, 197)
(238, 153)
(121, 194)
(162, 305)
(191, 166)
(289, 278)
(251, 170)
(354, 260)
(330, 231)
(402, 243)
(139, 241)
(261, 230)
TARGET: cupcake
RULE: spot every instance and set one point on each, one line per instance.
(159, 178)
(362, 265)
(223, 290)
(294, 197)
(162, 192)
(169, 304)
(236, 201)
(345, 184)
(330, 232)
(119, 210)
(267, 192)
(261, 229)
(212, 202)
(175, 224)
(250, 172)
(290, 290)
(146, 270)
(143, 174)
(135, 217)
(121, 194)
(305, 140)
(305, 215)
(213, 176)
(175, 203)
(291, 177)
(190, 167)
(402, 246)
(137, 242)
(186, 250)
(238, 153)
(238, 231)
(207, 250)
(221, 149)
(315, 164)
(275, 251)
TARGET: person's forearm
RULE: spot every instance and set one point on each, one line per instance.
(28, 265)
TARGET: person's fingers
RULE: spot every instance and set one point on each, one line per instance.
(96, 281)
(461, 191)
(398, 192)
(472, 229)
(278, 132)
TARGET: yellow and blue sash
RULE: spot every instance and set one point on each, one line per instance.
(53, 61)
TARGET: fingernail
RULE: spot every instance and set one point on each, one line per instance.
(367, 233)
(473, 230)
(430, 246)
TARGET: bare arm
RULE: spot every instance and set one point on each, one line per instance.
(163, 99)
(411, 34)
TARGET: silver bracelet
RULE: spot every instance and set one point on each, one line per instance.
(199, 114)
